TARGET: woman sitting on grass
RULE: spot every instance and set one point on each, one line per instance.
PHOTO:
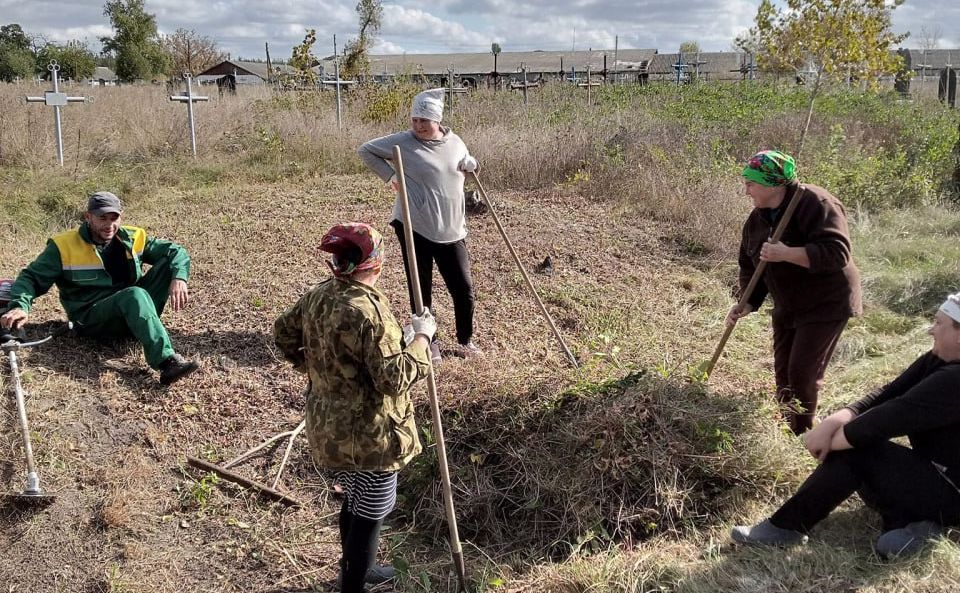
(915, 490)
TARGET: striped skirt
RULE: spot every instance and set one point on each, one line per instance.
(369, 494)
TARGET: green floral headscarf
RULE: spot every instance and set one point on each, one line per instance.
(771, 168)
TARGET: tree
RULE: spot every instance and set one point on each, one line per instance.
(830, 39)
(191, 52)
(12, 35)
(689, 47)
(76, 61)
(357, 50)
(495, 50)
(303, 60)
(17, 59)
(135, 43)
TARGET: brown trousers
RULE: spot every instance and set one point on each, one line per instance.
(800, 357)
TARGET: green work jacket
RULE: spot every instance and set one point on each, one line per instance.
(72, 262)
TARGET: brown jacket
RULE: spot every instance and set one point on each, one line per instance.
(830, 289)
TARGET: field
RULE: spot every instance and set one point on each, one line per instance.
(622, 476)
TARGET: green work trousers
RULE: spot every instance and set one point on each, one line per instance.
(134, 311)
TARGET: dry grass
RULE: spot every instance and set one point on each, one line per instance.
(548, 462)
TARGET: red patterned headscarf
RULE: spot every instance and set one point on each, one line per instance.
(355, 246)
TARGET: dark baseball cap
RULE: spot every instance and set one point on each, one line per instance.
(104, 202)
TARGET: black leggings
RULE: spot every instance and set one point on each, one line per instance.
(453, 263)
(892, 479)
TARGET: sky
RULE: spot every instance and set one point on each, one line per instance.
(241, 27)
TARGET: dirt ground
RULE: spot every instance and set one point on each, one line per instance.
(111, 442)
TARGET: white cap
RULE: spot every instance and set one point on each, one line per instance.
(428, 105)
(951, 307)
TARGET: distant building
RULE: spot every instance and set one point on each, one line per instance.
(477, 69)
(102, 76)
(241, 72)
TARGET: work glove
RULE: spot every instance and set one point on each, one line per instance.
(468, 164)
(424, 324)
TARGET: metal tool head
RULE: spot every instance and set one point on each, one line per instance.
(28, 500)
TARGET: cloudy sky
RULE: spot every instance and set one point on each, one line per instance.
(435, 26)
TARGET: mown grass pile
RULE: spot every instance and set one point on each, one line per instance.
(619, 461)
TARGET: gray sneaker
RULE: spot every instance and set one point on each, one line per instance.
(906, 541)
(766, 533)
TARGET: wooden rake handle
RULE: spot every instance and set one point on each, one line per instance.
(523, 272)
(757, 274)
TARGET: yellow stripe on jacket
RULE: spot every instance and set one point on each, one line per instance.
(77, 254)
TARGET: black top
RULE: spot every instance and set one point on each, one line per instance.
(923, 404)
(115, 262)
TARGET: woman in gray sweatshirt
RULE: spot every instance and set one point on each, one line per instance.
(434, 161)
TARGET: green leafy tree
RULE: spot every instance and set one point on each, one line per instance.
(303, 61)
(827, 39)
(135, 42)
(17, 59)
(357, 60)
(12, 35)
(76, 61)
(689, 47)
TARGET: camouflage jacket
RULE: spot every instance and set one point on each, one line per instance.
(359, 413)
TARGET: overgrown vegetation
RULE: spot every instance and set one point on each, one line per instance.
(621, 477)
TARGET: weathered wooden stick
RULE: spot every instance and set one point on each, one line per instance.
(455, 548)
(757, 274)
(286, 454)
(523, 272)
(262, 489)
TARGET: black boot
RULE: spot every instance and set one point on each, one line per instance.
(359, 553)
(175, 368)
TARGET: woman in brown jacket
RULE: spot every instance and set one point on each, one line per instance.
(810, 275)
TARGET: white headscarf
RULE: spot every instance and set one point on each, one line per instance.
(428, 105)
(951, 307)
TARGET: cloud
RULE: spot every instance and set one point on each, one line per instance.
(434, 26)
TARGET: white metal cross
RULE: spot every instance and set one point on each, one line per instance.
(56, 99)
(190, 99)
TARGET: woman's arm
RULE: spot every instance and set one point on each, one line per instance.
(377, 154)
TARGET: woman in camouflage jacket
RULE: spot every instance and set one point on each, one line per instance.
(359, 414)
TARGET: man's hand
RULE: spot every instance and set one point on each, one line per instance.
(736, 312)
(179, 294)
(14, 318)
(394, 184)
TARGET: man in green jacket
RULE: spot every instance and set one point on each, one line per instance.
(97, 269)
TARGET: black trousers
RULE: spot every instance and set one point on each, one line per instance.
(800, 357)
(890, 478)
(453, 263)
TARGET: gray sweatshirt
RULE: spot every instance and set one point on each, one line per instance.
(434, 182)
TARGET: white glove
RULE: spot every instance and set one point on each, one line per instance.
(408, 334)
(468, 164)
(425, 325)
